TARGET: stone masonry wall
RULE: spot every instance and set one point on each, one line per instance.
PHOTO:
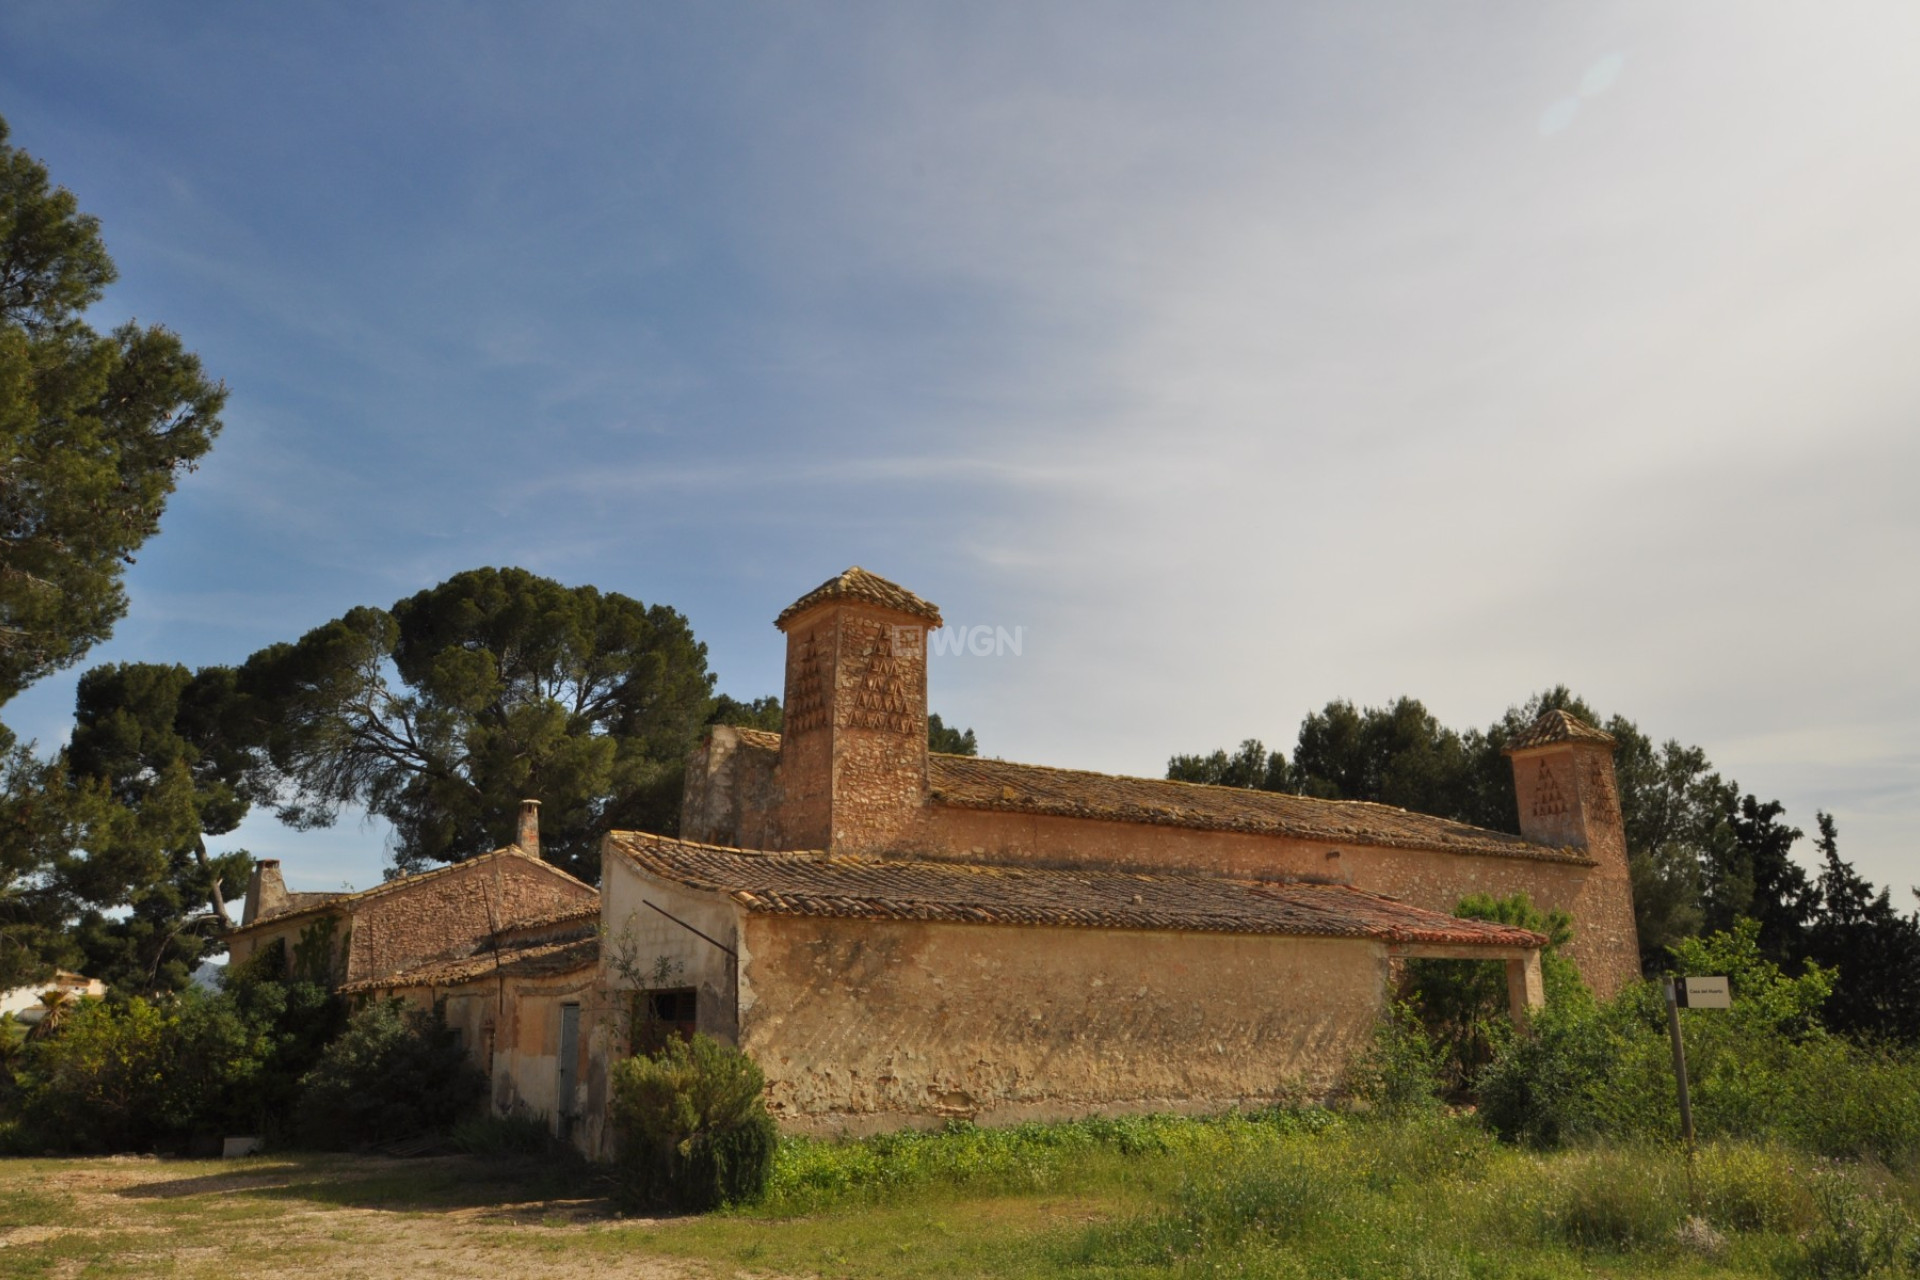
(453, 911)
(800, 814)
(1567, 793)
(865, 1025)
(880, 728)
(853, 752)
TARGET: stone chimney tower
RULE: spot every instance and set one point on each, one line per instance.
(853, 750)
(1563, 780)
(529, 834)
(266, 891)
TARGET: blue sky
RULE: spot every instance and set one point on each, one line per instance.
(1245, 356)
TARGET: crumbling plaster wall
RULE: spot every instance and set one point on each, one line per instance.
(510, 1028)
(865, 1025)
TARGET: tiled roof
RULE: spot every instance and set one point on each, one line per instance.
(814, 884)
(302, 900)
(1558, 726)
(568, 921)
(537, 960)
(970, 783)
(857, 584)
(404, 883)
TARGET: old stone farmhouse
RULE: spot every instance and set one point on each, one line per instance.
(900, 937)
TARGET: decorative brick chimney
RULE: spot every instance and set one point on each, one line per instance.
(1563, 779)
(853, 748)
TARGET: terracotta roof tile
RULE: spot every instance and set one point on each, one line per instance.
(332, 900)
(968, 782)
(814, 884)
(857, 584)
(568, 921)
(1558, 726)
(537, 960)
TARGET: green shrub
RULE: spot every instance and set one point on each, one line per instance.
(1464, 1003)
(296, 1019)
(1399, 1073)
(691, 1127)
(1549, 1087)
(1763, 1069)
(137, 1076)
(393, 1073)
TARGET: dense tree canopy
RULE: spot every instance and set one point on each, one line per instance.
(94, 430)
(104, 847)
(950, 739)
(443, 712)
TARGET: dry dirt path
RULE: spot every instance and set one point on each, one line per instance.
(454, 1217)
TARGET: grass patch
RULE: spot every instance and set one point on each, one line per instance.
(1272, 1194)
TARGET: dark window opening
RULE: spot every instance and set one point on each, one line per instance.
(662, 1015)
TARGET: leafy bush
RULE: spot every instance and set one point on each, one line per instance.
(135, 1076)
(393, 1073)
(1464, 1003)
(1399, 1073)
(297, 1014)
(692, 1129)
(1763, 1069)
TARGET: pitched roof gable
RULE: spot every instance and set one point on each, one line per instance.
(406, 883)
(870, 588)
(1558, 726)
(861, 887)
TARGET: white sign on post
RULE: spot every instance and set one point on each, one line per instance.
(1705, 993)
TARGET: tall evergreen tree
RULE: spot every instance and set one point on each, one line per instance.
(94, 431)
(949, 739)
(168, 748)
(1252, 766)
(1857, 930)
(442, 713)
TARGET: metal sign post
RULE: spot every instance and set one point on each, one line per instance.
(1690, 993)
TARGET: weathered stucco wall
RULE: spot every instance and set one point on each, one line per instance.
(864, 1025)
(645, 950)
(526, 1054)
(511, 1028)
